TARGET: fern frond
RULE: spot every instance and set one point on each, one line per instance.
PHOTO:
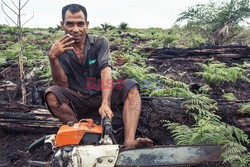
(200, 101)
(244, 108)
(217, 73)
(229, 96)
(204, 89)
(235, 154)
(240, 135)
(172, 92)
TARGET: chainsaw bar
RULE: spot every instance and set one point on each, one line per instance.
(169, 156)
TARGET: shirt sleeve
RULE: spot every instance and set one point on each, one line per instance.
(104, 58)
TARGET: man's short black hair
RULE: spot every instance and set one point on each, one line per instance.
(74, 8)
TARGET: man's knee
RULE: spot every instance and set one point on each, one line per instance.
(51, 100)
(50, 97)
(131, 88)
(134, 93)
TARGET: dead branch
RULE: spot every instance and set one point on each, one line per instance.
(32, 73)
(8, 15)
(28, 19)
(24, 4)
(9, 7)
(7, 85)
(14, 4)
(6, 69)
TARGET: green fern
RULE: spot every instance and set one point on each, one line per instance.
(135, 71)
(216, 72)
(199, 102)
(206, 131)
(246, 67)
(172, 92)
(244, 108)
(2, 60)
(155, 84)
(204, 89)
(235, 154)
(229, 96)
(208, 128)
(115, 74)
(133, 57)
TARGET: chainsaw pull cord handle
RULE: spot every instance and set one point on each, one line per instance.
(108, 129)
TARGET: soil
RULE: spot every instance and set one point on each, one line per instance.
(13, 147)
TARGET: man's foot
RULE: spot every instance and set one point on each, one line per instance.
(138, 143)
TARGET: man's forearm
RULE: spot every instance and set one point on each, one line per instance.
(106, 80)
(58, 75)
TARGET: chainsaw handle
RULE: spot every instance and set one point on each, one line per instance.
(108, 129)
(86, 120)
(38, 143)
(89, 121)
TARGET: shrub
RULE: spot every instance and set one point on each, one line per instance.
(123, 26)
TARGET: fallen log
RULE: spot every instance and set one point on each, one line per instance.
(34, 119)
(7, 85)
(237, 51)
(244, 123)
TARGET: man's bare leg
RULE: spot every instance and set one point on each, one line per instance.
(131, 114)
(61, 111)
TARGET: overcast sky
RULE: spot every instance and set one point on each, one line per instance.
(137, 13)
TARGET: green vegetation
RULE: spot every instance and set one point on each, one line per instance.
(216, 72)
(208, 129)
(244, 108)
(229, 96)
(2, 60)
(123, 26)
(219, 22)
(36, 45)
(11, 51)
(106, 27)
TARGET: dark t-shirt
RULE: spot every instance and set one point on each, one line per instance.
(86, 77)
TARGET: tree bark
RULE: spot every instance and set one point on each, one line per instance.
(20, 62)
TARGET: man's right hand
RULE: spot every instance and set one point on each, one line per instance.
(60, 46)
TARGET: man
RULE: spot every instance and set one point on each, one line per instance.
(79, 62)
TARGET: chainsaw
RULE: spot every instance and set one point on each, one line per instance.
(89, 144)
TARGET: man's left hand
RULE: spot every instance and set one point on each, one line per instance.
(105, 110)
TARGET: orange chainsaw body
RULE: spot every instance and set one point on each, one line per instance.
(72, 134)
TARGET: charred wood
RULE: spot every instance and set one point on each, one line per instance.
(231, 51)
(155, 110)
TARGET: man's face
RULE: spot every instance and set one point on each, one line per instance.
(75, 25)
